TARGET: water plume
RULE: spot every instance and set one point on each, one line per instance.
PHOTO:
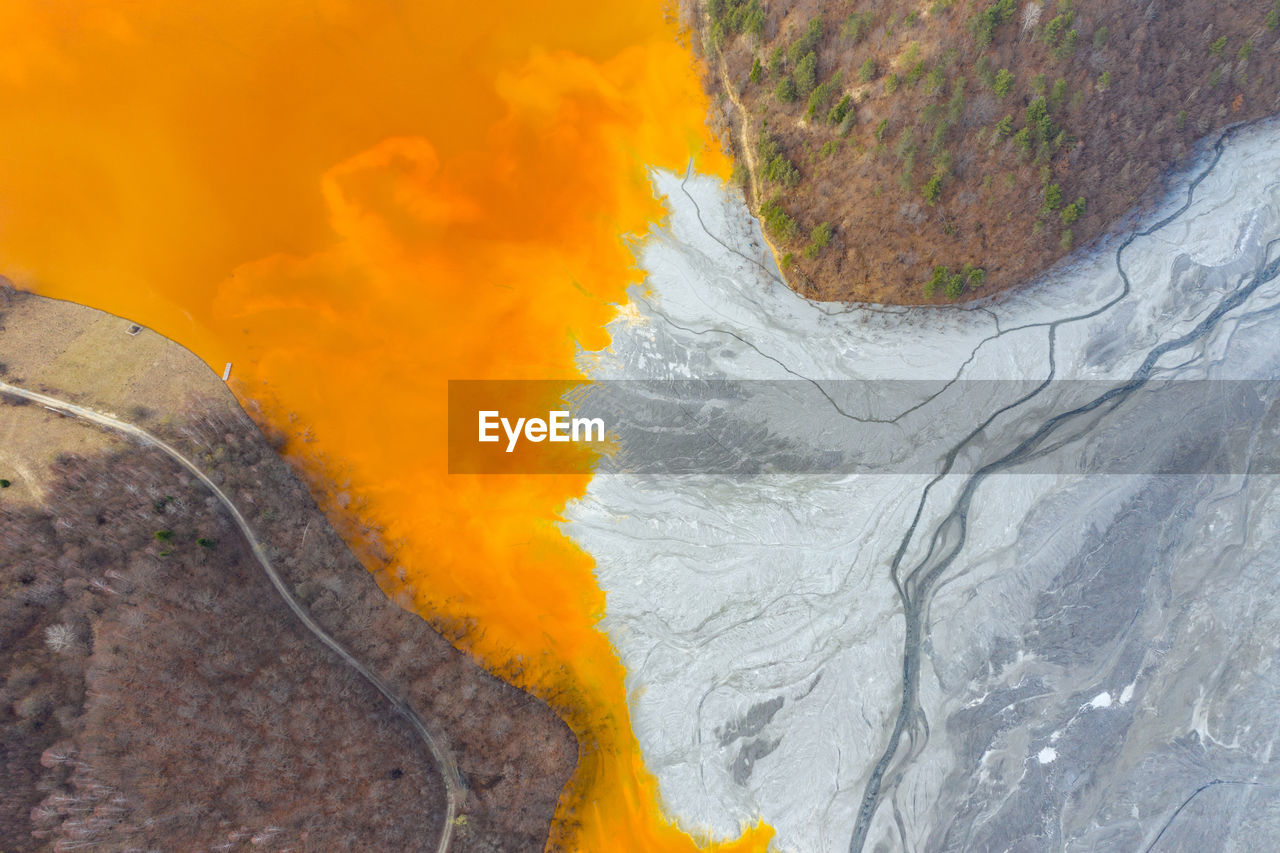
(354, 203)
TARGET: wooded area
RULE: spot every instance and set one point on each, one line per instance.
(158, 694)
(909, 153)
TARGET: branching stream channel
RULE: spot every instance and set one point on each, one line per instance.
(916, 581)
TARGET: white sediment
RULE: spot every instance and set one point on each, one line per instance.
(725, 595)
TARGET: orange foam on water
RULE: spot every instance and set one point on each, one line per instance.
(355, 202)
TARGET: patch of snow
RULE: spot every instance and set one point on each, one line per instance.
(1102, 700)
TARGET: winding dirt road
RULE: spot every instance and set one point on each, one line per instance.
(454, 788)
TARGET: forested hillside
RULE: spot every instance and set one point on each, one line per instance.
(156, 691)
(916, 152)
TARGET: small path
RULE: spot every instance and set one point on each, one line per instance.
(753, 194)
(454, 788)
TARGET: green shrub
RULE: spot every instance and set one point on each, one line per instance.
(867, 71)
(890, 83)
(1052, 197)
(932, 189)
(955, 286)
(4, 484)
(1104, 81)
(1218, 46)
(942, 163)
(777, 62)
(938, 142)
(718, 34)
(1040, 121)
(806, 74)
(857, 25)
(1057, 28)
(754, 21)
(821, 96)
(1037, 111)
(164, 535)
(842, 110)
(1058, 93)
(775, 167)
(819, 239)
(777, 222)
(1003, 127)
(1002, 83)
(1068, 46)
(1100, 37)
(785, 91)
(939, 279)
(735, 16)
(1022, 139)
(974, 276)
(881, 128)
(1273, 19)
(1066, 239)
(955, 106)
(982, 70)
(988, 20)
(828, 148)
(1037, 84)
(807, 43)
(906, 143)
(757, 71)
(907, 173)
(1245, 51)
(935, 81)
(1073, 211)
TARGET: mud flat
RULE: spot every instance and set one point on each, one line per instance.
(1053, 623)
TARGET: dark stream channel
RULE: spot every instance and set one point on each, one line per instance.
(916, 583)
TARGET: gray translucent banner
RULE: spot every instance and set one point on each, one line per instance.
(746, 428)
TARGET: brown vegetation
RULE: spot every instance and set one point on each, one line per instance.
(914, 152)
(158, 694)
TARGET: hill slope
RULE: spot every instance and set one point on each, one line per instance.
(155, 690)
(910, 153)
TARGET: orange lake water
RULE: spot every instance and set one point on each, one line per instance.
(354, 202)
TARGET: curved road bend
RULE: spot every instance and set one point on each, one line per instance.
(454, 788)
